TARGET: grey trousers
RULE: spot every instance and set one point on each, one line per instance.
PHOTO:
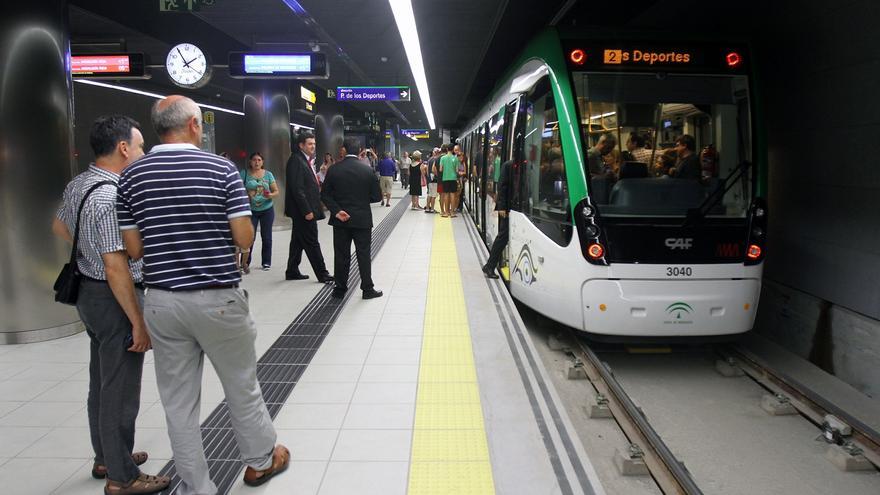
(184, 327)
(114, 380)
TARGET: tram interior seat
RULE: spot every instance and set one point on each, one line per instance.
(600, 189)
(633, 170)
(651, 196)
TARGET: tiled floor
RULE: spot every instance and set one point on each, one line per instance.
(349, 421)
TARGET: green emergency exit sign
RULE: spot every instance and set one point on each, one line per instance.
(184, 5)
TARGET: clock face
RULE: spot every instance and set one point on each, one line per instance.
(188, 66)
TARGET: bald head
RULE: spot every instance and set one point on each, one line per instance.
(177, 119)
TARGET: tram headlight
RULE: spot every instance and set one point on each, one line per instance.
(759, 212)
(757, 232)
(591, 230)
(587, 212)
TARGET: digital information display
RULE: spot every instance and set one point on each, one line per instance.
(632, 56)
(244, 65)
(111, 66)
(372, 93)
(274, 64)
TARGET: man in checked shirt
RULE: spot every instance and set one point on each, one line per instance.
(109, 305)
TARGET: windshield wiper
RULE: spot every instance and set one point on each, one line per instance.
(698, 213)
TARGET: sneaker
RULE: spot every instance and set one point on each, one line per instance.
(245, 269)
(266, 268)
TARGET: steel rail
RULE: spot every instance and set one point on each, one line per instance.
(670, 474)
(808, 403)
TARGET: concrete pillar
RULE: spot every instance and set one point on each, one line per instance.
(329, 128)
(267, 130)
(36, 162)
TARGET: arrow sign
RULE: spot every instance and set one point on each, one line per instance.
(372, 93)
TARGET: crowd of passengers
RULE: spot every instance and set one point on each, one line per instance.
(605, 160)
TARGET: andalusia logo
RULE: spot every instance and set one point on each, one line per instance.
(677, 308)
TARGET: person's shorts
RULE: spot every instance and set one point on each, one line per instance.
(432, 189)
(440, 187)
(450, 186)
(385, 183)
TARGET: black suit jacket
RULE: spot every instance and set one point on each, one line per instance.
(302, 195)
(351, 185)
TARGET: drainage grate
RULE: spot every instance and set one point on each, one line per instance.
(280, 367)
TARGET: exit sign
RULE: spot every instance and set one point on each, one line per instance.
(184, 5)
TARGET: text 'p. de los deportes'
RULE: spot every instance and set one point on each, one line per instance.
(645, 57)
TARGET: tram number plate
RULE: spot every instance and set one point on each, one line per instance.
(679, 271)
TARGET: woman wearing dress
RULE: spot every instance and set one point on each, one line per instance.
(261, 188)
(416, 173)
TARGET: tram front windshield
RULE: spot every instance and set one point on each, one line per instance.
(635, 129)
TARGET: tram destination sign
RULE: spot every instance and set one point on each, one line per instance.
(627, 56)
(373, 93)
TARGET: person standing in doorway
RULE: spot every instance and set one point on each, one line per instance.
(303, 205)
(348, 190)
(192, 302)
(502, 207)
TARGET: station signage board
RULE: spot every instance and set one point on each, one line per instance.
(415, 133)
(244, 65)
(110, 66)
(653, 57)
(373, 93)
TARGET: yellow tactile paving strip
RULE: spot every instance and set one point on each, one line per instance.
(450, 454)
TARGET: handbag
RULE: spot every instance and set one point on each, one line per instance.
(67, 284)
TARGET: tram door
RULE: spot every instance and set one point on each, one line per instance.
(478, 168)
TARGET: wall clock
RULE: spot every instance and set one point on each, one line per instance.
(188, 66)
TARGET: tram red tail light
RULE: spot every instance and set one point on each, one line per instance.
(595, 251)
(734, 59)
(578, 56)
(754, 252)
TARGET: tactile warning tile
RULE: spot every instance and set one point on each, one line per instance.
(449, 417)
(449, 445)
(449, 393)
(450, 454)
(451, 478)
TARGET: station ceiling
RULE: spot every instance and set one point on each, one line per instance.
(466, 44)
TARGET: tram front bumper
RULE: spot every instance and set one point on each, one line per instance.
(670, 307)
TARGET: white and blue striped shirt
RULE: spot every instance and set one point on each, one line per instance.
(181, 199)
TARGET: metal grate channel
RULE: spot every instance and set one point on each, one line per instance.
(280, 368)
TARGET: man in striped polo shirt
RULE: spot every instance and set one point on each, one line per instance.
(185, 211)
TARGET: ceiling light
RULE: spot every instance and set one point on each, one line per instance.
(383, 59)
(405, 19)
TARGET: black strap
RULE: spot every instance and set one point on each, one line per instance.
(79, 215)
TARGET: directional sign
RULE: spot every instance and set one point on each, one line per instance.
(415, 133)
(373, 93)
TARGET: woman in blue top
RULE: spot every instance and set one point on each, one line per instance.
(261, 188)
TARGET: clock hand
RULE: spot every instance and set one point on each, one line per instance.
(185, 63)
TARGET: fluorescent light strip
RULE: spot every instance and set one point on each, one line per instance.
(152, 95)
(406, 22)
(302, 126)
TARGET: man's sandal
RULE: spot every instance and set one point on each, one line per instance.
(99, 471)
(144, 483)
(280, 462)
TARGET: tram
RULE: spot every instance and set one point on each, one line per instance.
(616, 228)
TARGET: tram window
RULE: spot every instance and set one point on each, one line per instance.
(714, 110)
(544, 188)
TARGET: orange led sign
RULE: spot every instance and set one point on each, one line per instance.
(645, 57)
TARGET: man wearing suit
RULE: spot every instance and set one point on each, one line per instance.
(502, 206)
(349, 188)
(303, 205)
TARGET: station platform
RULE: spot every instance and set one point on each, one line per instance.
(435, 388)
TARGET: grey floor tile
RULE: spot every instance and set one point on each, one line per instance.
(380, 416)
(385, 393)
(69, 443)
(393, 356)
(301, 478)
(331, 373)
(365, 478)
(398, 342)
(308, 445)
(24, 476)
(390, 373)
(373, 445)
(74, 391)
(8, 407)
(47, 414)
(302, 416)
(322, 393)
(23, 391)
(52, 371)
(14, 439)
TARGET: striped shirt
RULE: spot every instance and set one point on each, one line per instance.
(98, 227)
(181, 199)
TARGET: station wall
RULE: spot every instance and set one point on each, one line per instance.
(820, 71)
